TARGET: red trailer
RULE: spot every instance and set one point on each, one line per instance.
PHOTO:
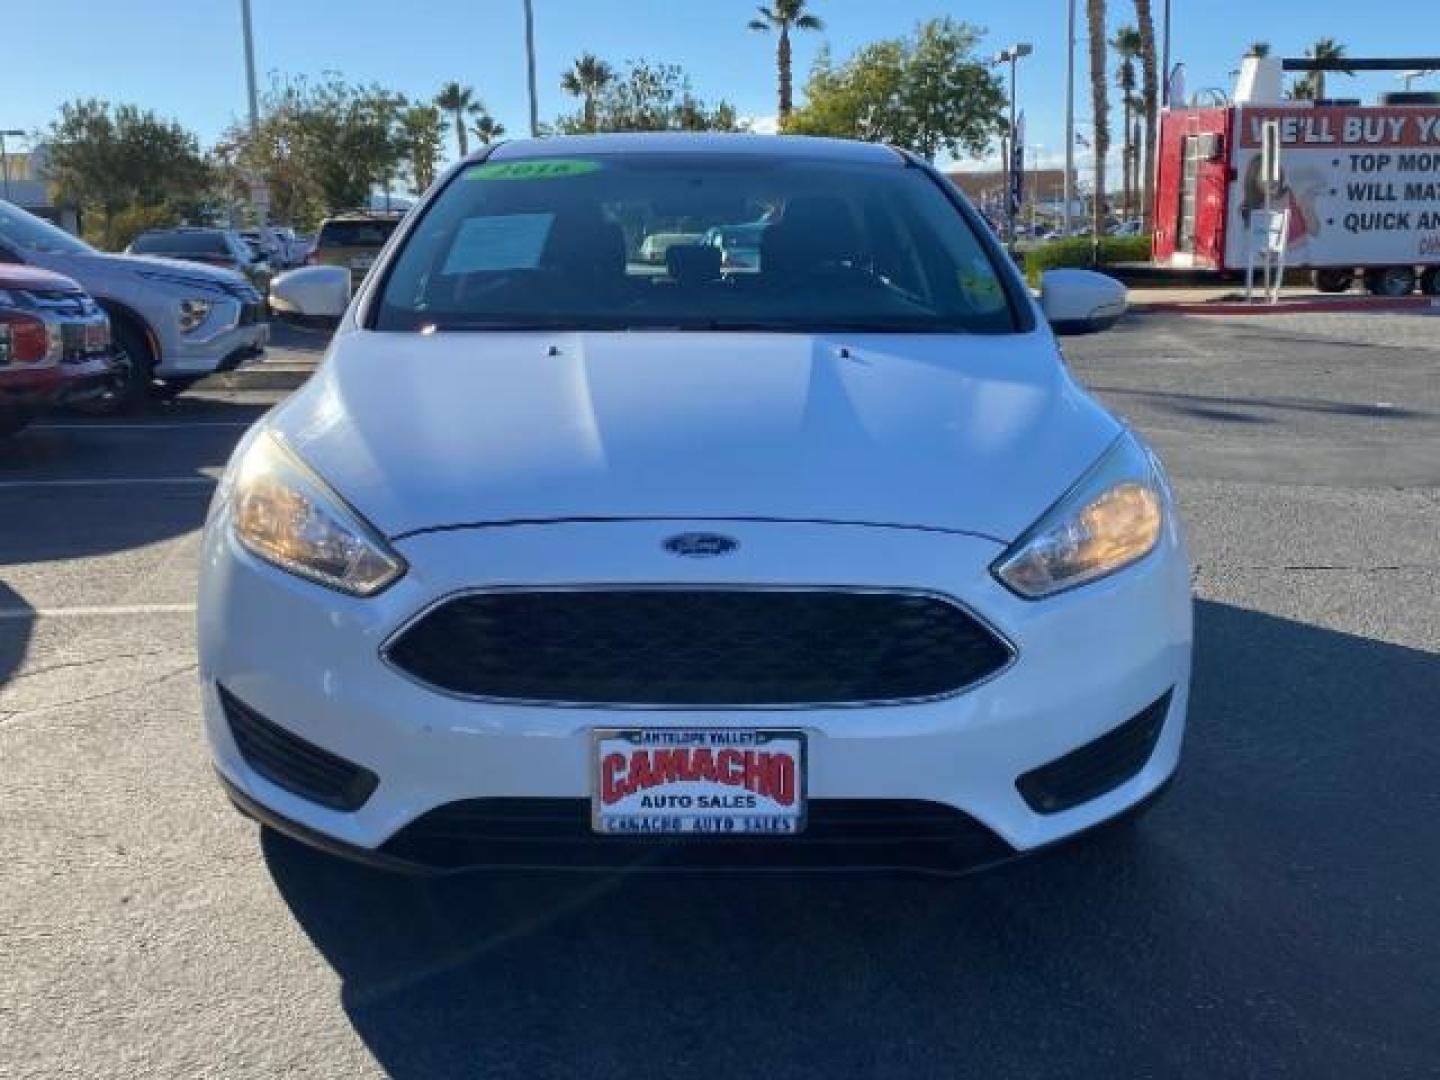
(1361, 184)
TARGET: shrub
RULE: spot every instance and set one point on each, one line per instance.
(1081, 251)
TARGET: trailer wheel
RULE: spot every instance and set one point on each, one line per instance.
(1390, 281)
(1430, 281)
(1333, 280)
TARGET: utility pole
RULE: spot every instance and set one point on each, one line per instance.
(261, 205)
(1011, 56)
(1069, 113)
(530, 66)
(1164, 62)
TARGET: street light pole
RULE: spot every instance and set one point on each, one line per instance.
(5, 157)
(530, 66)
(1069, 113)
(250, 66)
(1165, 61)
(253, 95)
(1011, 56)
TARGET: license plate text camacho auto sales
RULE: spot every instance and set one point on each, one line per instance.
(699, 782)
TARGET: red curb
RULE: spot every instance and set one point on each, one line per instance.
(1291, 307)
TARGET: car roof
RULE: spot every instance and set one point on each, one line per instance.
(364, 215)
(790, 147)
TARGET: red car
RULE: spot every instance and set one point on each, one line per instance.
(54, 345)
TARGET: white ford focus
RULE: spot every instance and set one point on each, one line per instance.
(568, 559)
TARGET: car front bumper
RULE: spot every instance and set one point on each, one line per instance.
(30, 387)
(85, 380)
(308, 660)
(224, 351)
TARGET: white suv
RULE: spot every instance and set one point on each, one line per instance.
(173, 321)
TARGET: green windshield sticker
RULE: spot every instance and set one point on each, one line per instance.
(545, 169)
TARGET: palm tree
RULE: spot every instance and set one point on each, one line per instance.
(1100, 105)
(459, 101)
(422, 131)
(1325, 49)
(487, 129)
(1126, 44)
(588, 79)
(785, 15)
(1258, 49)
(1150, 76)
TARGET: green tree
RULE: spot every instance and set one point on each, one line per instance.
(128, 167)
(1100, 106)
(651, 97)
(460, 102)
(1259, 49)
(928, 92)
(1126, 44)
(324, 146)
(587, 79)
(422, 129)
(782, 17)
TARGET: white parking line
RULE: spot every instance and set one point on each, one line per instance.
(109, 481)
(144, 427)
(13, 612)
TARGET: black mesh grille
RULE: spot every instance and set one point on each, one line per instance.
(1098, 766)
(288, 761)
(840, 834)
(710, 648)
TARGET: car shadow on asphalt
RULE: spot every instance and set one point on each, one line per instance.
(1282, 895)
(1214, 407)
(17, 623)
(292, 337)
(75, 487)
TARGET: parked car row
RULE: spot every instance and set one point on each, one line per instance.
(172, 322)
(55, 346)
(225, 248)
(352, 239)
(278, 245)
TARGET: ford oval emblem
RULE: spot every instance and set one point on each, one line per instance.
(700, 545)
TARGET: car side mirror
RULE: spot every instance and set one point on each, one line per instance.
(314, 295)
(1081, 301)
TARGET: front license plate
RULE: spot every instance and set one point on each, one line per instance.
(698, 782)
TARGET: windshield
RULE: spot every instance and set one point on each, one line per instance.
(627, 242)
(27, 232)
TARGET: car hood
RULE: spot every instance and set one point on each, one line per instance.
(976, 434)
(20, 276)
(153, 263)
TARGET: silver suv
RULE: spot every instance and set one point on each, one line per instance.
(173, 322)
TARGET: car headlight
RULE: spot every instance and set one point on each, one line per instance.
(1111, 518)
(193, 313)
(284, 513)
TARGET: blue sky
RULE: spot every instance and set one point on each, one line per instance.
(183, 57)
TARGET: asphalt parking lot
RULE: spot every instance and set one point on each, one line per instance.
(1278, 915)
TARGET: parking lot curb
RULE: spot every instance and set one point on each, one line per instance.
(1420, 304)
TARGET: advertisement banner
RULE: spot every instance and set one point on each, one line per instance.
(1362, 184)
